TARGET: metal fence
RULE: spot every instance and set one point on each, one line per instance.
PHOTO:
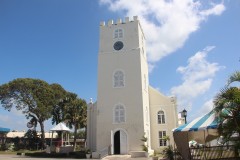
(212, 153)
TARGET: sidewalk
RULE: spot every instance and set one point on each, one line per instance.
(124, 157)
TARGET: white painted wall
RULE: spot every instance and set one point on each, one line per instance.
(141, 102)
(91, 125)
(133, 62)
(168, 104)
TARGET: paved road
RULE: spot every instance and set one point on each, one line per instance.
(114, 157)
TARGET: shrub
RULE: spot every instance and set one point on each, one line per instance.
(168, 152)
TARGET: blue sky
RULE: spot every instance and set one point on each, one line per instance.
(192, 47)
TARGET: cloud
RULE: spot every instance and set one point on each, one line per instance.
(197, 78)
(207, 107)
(167, 23)
(215, 10)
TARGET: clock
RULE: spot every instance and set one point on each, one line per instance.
(118, 45)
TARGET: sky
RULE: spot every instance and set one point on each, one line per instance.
(192, 46)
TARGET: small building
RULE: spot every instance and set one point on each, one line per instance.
(20, 134)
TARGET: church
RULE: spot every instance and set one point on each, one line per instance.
(127, 107)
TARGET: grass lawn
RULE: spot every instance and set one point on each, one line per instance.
(7, 152)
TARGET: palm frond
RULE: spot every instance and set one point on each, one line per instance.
(235, 77)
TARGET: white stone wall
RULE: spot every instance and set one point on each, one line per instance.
(133, 96)
(140, 101)
(168, 104)
(91, 126)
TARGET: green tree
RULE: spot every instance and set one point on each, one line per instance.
(32, 139)
(235, 77)
(227, 108)
(34, 97)
(61, 100)
(76, 114)
(80, 134)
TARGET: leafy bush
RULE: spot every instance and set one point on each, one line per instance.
(32, 140)
(78, 154)
(168, 152)
(47, 155)
(144, 146)
(3, 147)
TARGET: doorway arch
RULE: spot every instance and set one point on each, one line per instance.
(120, 142)
(117, 142)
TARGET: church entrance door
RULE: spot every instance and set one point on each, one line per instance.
(117, 142)
(120, 142)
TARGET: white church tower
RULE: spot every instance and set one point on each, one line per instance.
(122, 102)
(121, 116)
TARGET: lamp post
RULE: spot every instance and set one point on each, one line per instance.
(184, 114)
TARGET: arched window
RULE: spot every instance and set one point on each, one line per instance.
(118, 79)
(161, 117)
(118, 33)
(119, 114)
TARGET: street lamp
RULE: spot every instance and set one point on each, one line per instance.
(184, 114)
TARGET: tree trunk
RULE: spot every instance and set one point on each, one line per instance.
(85, 135)
(75, 136)
(42, 135)
(237, 146)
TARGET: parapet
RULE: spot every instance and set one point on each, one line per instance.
(119, 21)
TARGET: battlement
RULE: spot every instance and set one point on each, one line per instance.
(119, 21)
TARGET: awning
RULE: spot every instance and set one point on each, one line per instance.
(202, 129)
(60, 127)
(208, 121)
(4, 130)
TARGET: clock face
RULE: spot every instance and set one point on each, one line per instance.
(118, 45)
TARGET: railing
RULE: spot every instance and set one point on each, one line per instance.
(211, 153)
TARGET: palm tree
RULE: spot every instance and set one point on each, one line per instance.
(235, 77)
(227, 108)
(76, 115)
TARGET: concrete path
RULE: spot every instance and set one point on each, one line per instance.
(124, 157)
